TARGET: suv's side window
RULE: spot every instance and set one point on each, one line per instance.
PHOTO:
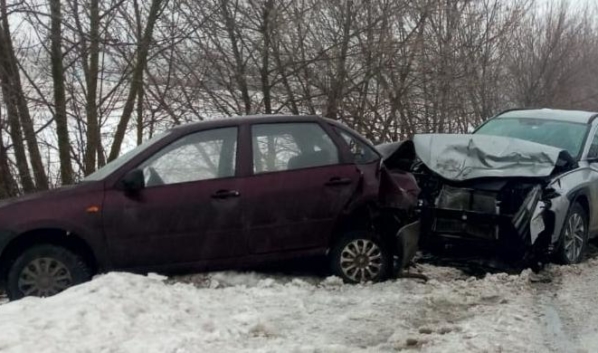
(362, 153)
(593, 153)
(203, 155)
(287, 146)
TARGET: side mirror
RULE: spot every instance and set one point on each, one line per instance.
(133, 181)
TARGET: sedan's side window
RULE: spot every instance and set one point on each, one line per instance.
(593, 153)
(287, 146)
(362, 153)
(203, 155)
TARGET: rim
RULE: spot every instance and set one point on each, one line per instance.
(574, 236)
(361, 260)
(44, 277)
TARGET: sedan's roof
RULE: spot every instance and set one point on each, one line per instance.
(237, 120)
(575, 116)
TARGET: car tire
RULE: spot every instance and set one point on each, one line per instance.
(574, 236)
(45, 270)
(360, 257)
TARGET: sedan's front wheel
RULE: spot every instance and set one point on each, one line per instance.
(574, 236)
(358, 257)
(45, 270)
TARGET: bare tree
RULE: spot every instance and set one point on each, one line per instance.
(60, 117)
(19, 118)
(549, 57)
(156, 9)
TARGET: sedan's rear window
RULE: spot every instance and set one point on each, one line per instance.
(561, 134)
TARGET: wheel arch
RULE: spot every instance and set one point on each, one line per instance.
(583, 200)
(47, 235)
(582, 197)
(367, 216)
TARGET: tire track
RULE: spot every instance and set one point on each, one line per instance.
(565, 305)
(554, 322)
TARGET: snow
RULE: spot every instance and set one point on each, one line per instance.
(254, 312)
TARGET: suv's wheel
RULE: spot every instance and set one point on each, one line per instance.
(574, 236)
(45, 270)
(359, 257)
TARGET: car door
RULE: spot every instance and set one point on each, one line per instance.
(297, 188)
(189, 210)
(592, 179)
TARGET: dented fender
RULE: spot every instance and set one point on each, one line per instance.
(558, 208)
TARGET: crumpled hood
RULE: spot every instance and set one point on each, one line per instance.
(463, 157)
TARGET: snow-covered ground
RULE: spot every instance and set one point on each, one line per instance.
(235, 312)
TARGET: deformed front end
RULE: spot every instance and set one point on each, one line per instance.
(512, 218)
(485, 193)
(398, 194)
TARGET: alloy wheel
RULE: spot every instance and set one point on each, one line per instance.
(574, 236)
(44, 277)
(361, 260)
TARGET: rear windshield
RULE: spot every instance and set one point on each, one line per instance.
(561, 134)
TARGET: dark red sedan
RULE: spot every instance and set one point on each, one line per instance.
(214, 195)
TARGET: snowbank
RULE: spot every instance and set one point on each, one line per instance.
(233, 312)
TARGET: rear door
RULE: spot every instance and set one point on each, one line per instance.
(297, 188)
(189, 210)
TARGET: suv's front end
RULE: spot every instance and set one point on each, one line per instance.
(505, 189)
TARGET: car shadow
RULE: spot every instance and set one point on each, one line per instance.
(308, 267)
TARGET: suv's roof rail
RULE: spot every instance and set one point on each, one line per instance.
(511, 110)
(498, 114)
(592, 118)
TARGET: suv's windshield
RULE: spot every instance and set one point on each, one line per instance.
(122, 160)
(561, 134)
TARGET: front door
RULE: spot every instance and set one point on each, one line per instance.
(189, 210)
(298, 187)
(593, 180)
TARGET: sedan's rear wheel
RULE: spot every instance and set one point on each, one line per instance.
(574, 236)
(45, 270)
(359, 257)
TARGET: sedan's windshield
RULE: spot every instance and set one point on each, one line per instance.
(561, 134)
(122, 160)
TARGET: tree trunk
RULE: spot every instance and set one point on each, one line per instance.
(8, 184)
(264, 70)
(140, 116)
(136, 82)
(15, 132)
(337, 81)
(140, 92)
(21, 110)
(240, 74)
(93, 129)
(14, 124)
(64, 145)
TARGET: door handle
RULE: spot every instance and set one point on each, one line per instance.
(337, 181)
(225, 194)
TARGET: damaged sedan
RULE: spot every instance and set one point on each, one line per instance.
(523, 186)
(218, 194)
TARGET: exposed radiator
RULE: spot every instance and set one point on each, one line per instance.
(463, 199)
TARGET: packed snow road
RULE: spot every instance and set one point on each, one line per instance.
(231, 312)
